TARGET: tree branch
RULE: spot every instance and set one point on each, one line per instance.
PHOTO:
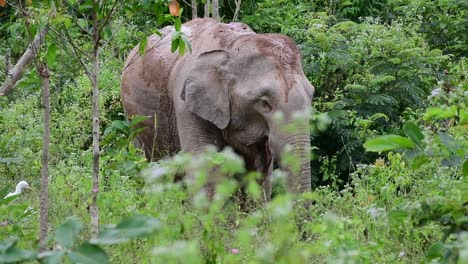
(17, 72)
(75, 51)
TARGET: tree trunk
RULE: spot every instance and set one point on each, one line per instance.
(15, 74)
(215, 10)
(207, 8)
(44, 197)
(236, 12)
(94, 79)
(194, 9)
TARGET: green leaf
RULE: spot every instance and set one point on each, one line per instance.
(187, 43)
(414, 133)
(440, 113)
(10, 254)
(177, 24)
(181, 47)
(52, 257)
(67, 232)
(51, 54)
(419, 161)
(82, 23)
(465, 168)
(137, 119)
(435, 251)
(129, 228)
(4, 191)
(143, 44)
(7, 244)
(89, 254)
(15, 255)
(175, 41)
(388, 142)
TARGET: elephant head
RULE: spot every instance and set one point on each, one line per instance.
(241, 88)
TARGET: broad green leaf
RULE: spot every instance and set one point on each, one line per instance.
(137, 119)
(129, 228)
(89, 254)
(414, 133)
(181, 47)
(52, 257)
(15, 255)
(388, 142)
(121, 125)
(187, 43)
(175, 41)
(10, 254)
(51, 54)
(67, 232)
(143, 44)
(7, 244)
(435, 251)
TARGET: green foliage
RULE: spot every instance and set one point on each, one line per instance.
(367, 75)
(389, 73)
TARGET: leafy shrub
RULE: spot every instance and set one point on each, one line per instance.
(366, 76)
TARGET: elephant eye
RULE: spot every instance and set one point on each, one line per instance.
(264, 104)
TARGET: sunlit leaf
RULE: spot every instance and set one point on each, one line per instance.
(143, 44)
(388, 142)
(51, 54)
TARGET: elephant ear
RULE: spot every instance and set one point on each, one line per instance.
(205, 90)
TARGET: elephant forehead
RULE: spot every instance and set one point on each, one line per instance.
(285, 56)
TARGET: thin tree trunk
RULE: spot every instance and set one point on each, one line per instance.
(94, 78)
(44, 197)
(236, 12)
(215, 9)
(207, 8)
(15, 74)
(194, 9)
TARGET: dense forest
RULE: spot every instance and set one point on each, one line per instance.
(388, 135)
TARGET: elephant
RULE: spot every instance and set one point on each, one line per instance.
(226, 92)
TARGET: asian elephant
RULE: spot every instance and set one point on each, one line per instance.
(224, 93)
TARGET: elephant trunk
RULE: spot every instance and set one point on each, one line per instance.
(296, 162)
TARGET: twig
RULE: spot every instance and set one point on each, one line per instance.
(75, 51)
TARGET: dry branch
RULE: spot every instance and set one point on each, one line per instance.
(236, 12)
(17, 72)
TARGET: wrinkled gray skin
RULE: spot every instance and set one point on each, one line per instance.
(225, 93)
